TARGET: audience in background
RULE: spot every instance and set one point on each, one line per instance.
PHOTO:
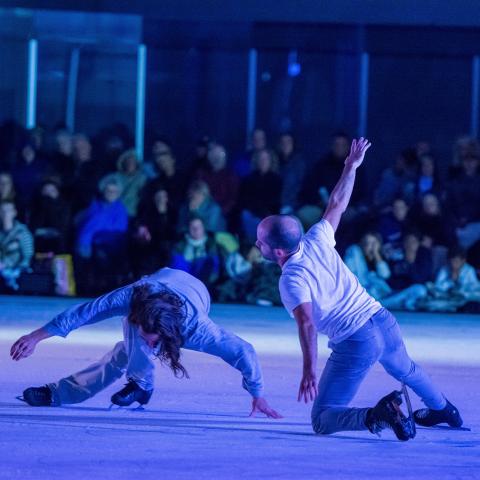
(16, 247)
(367, 263)
(392, 225)
(198, 253)
(464, 201)
(163, 172)
(131, 178)
(50, 219)
(153, 233)
(398, 180)
(292, 171)
(222, 182)
(259, 193)
(199, 203)
(158, 213)
(243, 165)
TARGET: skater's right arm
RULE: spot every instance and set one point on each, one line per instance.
(113, 304)
(307, 333)
(340, 197)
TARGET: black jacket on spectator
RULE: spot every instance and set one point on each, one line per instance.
(49, 216)
(405, 274)
(464, 198)
(439, 228)
(260, 193)
(82, 185)
(176, 187)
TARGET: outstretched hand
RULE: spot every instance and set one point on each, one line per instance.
(24, 347)
(260, 405)
(357, 152)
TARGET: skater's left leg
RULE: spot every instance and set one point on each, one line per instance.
(344, 371)
(86, 383)
(399, 365)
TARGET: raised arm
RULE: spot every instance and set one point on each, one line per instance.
(108, 305)
(342, 192)
(307, 333)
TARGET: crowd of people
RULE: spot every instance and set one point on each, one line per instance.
(82, 216)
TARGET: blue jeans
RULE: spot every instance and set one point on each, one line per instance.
(379, 339)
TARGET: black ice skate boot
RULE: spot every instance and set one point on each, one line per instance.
(387, 414)
(130, 393)
(38, 396)
(428, 417)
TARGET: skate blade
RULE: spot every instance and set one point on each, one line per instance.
(114, 407)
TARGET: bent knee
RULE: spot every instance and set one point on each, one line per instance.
(320, 424)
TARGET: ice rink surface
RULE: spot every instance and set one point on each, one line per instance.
(199, 428)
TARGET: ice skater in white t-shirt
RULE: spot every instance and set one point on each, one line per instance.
(323, 295)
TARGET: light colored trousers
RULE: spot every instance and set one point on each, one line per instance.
(378, 340)
(136, 359)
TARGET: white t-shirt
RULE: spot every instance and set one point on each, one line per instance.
(316, 273)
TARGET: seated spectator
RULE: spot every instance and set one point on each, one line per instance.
(464, 146)
(27, 173)
(163, 173)
(62, 155)
(292, 171)
(200, 204)
(409, 275)
(456, 286)
(414, 267)
(434, 226)
(103, 222)
(369, 266)
(81, 182)
(427, 180)
(458, 278)
(50, 219)
(243, 165)
(259, 193)
(16, 247)
(7, 190)
(198, 253)
(464, 202)
(131, 178)
(397, 181)
(392, 225)
(323, 176)
(222, 182)
(153, 235)
(252, 279)
(200, 155)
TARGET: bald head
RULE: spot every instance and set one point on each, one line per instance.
(281, 232)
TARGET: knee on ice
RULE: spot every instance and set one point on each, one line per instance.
(319, 425)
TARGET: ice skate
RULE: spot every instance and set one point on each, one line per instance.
(427, 417)
(388, 414)
(131, 393)
(38, 396)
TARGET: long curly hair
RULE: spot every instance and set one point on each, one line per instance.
(161, 312)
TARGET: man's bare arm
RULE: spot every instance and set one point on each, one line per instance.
(307, 333)
(342, 192)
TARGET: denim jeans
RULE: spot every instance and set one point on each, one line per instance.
(378, 340)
